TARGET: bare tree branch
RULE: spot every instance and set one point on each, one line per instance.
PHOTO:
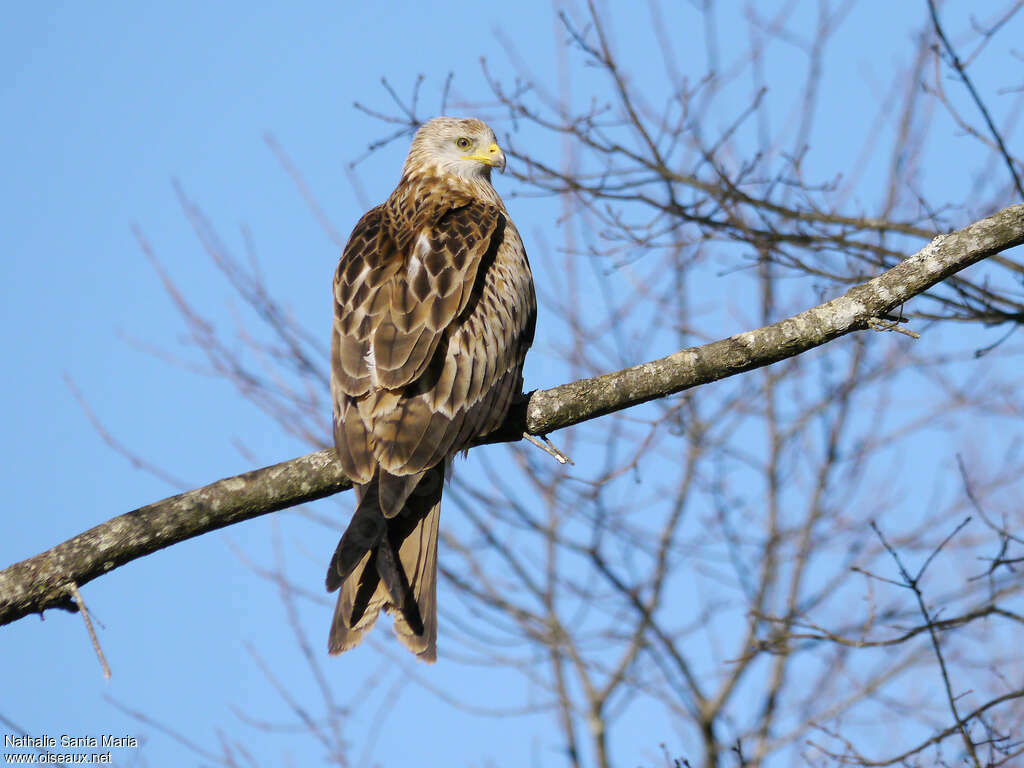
(42, 582)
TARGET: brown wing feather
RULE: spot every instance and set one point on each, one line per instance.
(459, 397)
(439, 269)
(398, 296)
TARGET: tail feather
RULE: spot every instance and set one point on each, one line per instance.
(389, 562)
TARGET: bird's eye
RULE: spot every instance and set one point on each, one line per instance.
(462, 142)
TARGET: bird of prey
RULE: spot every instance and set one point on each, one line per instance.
(434, 310)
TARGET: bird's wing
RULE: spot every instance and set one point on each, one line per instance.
(471, 381)
(400, 290)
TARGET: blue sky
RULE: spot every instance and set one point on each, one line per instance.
(104, 105)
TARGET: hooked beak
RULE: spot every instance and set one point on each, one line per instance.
(493, 157)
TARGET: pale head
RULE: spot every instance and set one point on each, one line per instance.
(463, 147)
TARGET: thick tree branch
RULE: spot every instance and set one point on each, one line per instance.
(46, 580)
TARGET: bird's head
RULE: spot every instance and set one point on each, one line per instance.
(464, 147)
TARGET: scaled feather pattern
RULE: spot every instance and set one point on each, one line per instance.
(434, 310)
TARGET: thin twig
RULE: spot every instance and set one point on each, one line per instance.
(876, 324)
(548, 447)
(73, 589)
(954, 60)
(913, 583)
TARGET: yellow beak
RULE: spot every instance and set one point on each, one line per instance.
(493, 157)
